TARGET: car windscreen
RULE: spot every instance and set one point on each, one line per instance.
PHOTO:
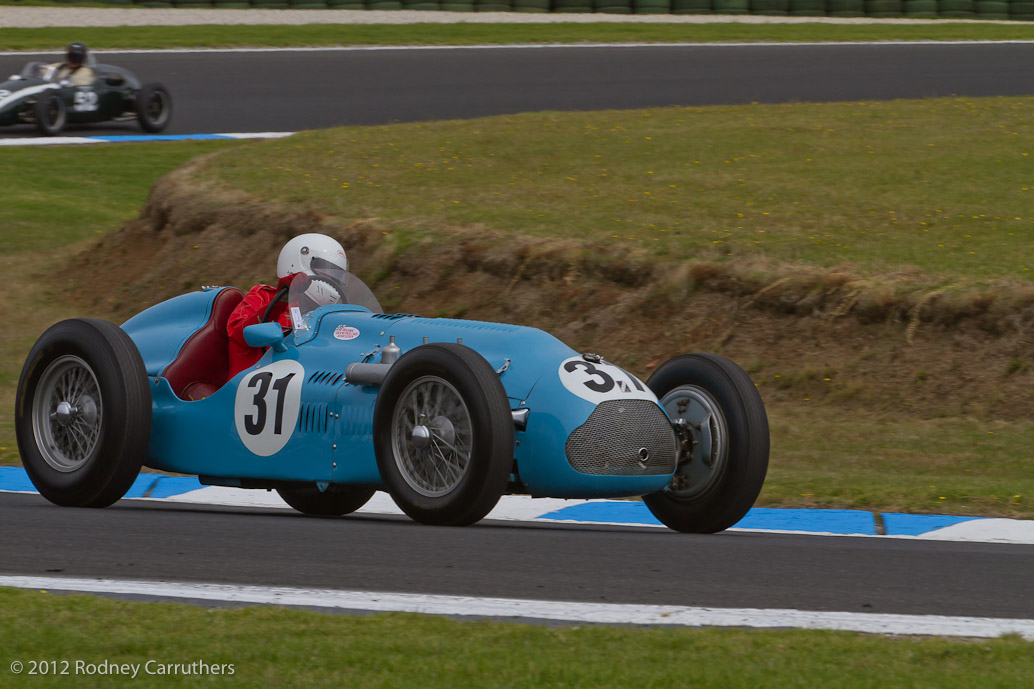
(37, 70)
(308, 294)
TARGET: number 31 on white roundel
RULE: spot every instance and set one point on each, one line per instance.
(600, 381)
(266, 408)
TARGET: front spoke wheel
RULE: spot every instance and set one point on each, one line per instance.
(431, 436)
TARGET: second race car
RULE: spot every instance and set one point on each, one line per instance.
(42, 95)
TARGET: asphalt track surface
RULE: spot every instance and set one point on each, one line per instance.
(154, 541)
(289, 91)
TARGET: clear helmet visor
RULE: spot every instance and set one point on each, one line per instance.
(330, 270)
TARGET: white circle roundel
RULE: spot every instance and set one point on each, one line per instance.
(266, 408)
(600, 381)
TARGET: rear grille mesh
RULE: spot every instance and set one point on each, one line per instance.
(610, 442)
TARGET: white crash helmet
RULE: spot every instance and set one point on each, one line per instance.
(314, 255)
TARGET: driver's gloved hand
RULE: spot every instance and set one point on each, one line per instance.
(287, 279)
(322, 292)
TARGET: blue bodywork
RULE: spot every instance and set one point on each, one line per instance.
(326, 434)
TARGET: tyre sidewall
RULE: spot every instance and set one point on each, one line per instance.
(141, 107)
(121, 446)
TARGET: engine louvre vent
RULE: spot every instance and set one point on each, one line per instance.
(393, 316)
(326, 378)
(313, 418)
(623, 438)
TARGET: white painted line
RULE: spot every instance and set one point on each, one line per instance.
(529, 46)
(986, 531)
(257, 135)
(509, 508)
(50, 141)
(593, 613)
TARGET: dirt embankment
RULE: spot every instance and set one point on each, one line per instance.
(895, 343)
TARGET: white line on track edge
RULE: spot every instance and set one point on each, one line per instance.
(526, 46)
(593, 613)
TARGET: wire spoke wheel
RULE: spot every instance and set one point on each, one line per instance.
(67, 413)
(432, 435)
(443, 434)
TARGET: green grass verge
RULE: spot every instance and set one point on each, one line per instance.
(206, 36)
(67, 194)
(941, 186)
(270, 647)
(822, 457)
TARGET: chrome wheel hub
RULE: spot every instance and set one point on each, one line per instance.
(67, 413)
(703, 440)
(431, 436)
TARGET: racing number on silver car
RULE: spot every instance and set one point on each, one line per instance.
(255, 424)
(85, 101)
(266, 407)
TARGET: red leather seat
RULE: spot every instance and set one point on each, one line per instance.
(202, 365)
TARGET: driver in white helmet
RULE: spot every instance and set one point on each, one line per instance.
(321, 259)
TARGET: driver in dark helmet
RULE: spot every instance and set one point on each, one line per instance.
(321, 259)
(75, 68)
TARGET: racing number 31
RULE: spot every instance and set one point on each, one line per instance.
(265, 409)
(255, 423)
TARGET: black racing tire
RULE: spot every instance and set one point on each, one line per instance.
(83, 413)
(153, 107)
(51, 114)
(720, 476)
(332, 502)
(443, 434)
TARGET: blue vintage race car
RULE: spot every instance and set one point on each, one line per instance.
(446, 415)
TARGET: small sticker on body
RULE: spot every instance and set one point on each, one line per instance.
(296, 318)
(346, 332)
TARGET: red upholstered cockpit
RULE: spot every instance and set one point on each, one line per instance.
(202, 365)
